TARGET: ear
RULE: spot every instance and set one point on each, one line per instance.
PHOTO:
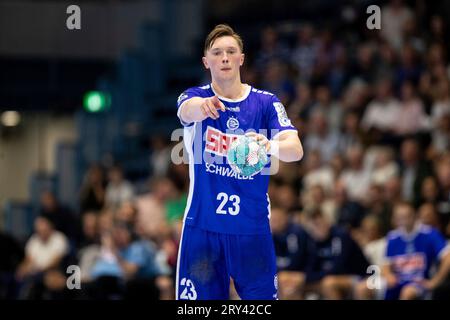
(242, 59)
(205, 62)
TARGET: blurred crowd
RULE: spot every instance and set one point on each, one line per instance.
(373, 114)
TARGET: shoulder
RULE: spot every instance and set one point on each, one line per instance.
(393, 235)
(263, 96)
(429, 232)
(205, 89)
(202, 91)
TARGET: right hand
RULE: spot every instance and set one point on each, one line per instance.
(391, 280)
(210, 107)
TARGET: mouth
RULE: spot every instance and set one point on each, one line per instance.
(225, 69)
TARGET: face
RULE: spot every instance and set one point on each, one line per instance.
(224, 59)
(43, 228)
(428, 215)
(318, 227)
(404, 217)
(121, 236)
(278, 220)
(370, 228)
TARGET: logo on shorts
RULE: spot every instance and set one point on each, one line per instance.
(232, 123)
(275, 281)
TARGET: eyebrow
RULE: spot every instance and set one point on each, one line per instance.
(216, 48)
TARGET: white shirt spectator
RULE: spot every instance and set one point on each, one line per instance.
(381, 115)
(381, 175)
(410, 118)
(328, 145)
(392, 24)
(116, 194)
(357, 183)
(43, 254)
(375, 251)
(323, 176)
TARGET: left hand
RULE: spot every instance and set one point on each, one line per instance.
(428, 284)
(261, 139)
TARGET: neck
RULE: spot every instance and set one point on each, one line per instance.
(232, 89)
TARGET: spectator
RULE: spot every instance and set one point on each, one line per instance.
(380, 113)
(385, 166)
(271, 49)
(118, 189)
(92, 193)
(304, 54)
(61, 217)
(412, 249)
(356, 177)
(413, 169)
(348, 213)
(411, 117)
(335, 261)
(394, 16)
(290, 248)
(124, 257)
(44, 251)
(321, 137)
(151, 208)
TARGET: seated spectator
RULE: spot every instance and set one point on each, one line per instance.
(118, 189)
(290, 242)
(348, 213)
(371, 239)
(125, 258)
(151, 207)
(380, 113)
(378, 207)
(92, 193)
(89, 232)
(44, 251)
(356, 178)
(412, 250)
(385, 167)
(62, 219)
(414, 169)
(411, 117)
(327, 106)
(304, 54)
(321, 137)
(428, 215)
(334, 261)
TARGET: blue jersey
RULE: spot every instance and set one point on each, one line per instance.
(219, 199)
(411, 256)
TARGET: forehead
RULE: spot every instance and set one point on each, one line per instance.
(224, 42)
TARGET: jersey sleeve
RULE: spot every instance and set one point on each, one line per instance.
(278, 120)
(185, 96)
(389, 252)
(438, 245)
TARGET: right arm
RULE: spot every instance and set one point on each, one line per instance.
(390, 277)
(198, 109)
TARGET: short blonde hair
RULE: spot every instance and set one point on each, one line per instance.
(222, 30)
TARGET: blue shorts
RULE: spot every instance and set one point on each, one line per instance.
(207, 260)
(394, 293)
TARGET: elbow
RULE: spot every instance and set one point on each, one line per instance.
(298, 153)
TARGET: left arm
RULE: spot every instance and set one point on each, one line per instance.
(441, 274)
(287, 147)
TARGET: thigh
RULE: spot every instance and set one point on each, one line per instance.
(252, 265)
(201, 269)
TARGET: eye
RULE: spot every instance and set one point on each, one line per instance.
(231, 51)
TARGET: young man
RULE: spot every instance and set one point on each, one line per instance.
(226, 231)
(412, 250)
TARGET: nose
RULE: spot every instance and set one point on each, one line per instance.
(225, 58)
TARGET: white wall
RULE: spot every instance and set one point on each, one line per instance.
(32, 148)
